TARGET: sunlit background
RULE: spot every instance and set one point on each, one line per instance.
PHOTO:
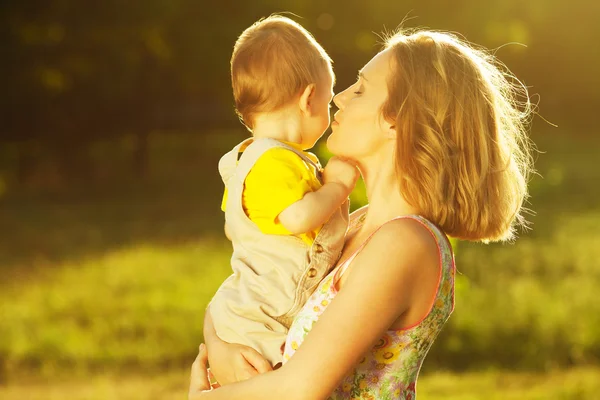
(114, 115)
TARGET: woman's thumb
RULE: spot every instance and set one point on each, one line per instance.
(199, 376)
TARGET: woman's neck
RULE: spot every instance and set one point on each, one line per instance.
(383, 193)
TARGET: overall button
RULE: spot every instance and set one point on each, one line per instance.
(312, 273)
(318, 248)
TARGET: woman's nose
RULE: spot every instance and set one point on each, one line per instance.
(338, 100)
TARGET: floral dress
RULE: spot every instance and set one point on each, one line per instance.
(389, 371)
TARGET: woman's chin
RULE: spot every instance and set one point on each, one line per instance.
(330, 145)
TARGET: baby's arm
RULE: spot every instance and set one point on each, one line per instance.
(315, 208)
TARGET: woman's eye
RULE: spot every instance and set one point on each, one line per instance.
(357, 92)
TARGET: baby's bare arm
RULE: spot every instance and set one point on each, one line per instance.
(315, 208)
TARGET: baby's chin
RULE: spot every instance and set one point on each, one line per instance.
(309, 144)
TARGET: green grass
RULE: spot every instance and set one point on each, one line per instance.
(576, 384)
(114, 275)
(142, 306)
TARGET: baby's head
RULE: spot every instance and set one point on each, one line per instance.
(278, 66)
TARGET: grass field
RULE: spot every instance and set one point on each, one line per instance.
(102, 288)
(576, 384)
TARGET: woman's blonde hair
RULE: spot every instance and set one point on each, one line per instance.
(272, 62)
(462, 153)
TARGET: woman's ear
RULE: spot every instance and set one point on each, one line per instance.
(389, 128)
(306, 99)
(391, 131)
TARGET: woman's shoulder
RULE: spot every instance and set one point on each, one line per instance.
(408, 244)
(403, 240)
(407, 234)
(411, 229)
(402, 253)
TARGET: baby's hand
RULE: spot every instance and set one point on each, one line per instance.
(341, 171)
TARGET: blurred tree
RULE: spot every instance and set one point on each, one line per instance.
(75, 72)
(78, 71)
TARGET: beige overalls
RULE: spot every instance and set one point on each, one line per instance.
(273, 275)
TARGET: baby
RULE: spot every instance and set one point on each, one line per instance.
(285, 216)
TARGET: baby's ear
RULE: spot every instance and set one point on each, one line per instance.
(307, 98)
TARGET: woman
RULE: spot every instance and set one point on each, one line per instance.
(435, 131)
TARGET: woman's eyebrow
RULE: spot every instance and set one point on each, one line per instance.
(361, 75)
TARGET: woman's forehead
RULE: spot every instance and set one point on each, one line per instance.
(376, 69)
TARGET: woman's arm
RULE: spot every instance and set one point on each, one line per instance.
(400, 260)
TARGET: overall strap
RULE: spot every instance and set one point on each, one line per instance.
(228, 163)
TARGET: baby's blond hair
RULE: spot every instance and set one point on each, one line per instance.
(463, 154)
(272, 62)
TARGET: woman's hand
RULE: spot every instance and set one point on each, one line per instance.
(230, 362)
(263, 387)
(199, 382)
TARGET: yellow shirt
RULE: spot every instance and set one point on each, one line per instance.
(277, 180)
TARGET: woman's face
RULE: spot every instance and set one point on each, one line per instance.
(359, 130)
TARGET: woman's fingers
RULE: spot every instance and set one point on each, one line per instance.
(213, 381)
(199, 377)
(244, 370)
(258, 362)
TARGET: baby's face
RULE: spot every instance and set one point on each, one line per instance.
(318, 122)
